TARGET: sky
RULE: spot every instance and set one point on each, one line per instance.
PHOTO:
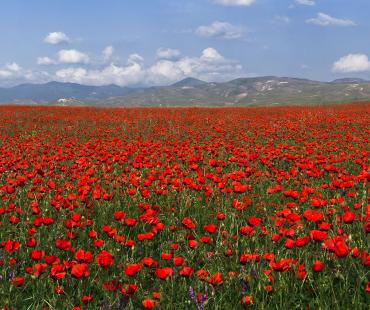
(158, 42)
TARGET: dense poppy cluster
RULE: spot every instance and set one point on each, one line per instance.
(191, 208)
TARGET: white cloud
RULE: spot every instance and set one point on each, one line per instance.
(305, 2)
(132, 73)
(211, 66)
(56, 38)
(323, 19)
(12, 74)
(71, 74)
(210, 54)
(168, 53)
(45, 61)
(234, 2)
(72, 56)
(108, 52)
(5, 74)
(352, 63)
(220, 30)
(10, 70)
(13, 67)
(165, 71)
(135, 58)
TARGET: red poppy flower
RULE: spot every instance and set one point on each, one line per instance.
(318, 235)
(289, 243)
(31, 242)
(18, 281)
(216, 279)
(148, 303)
(188, 223)
(220, 216)
(246, 300)
(10, 246)
(205, 239)
(302, 241)
(192, 244)
(166, 256)
(98, 243)
(119, 215)
(268, 288)
(254, 221)
(104, 259)
(281, 265)
(164, 273)
(111, 286)
(80, 270)
(83, 256)
(148, 261)
(156, 295)
(186, 271)
(246, 230)
(202, 274)
(63, 244)
(337, 245)
(318, 266)
(366, 259)
(37, 254)
(86, 298)
(348, 217)
(367, 287)
(131, 288)
(131, 222)
(211, 228)
(132, 269)
(58, 290)
(178, 260)
(57, 272)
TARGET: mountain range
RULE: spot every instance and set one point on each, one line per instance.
(267, 90)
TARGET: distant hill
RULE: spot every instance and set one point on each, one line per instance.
(267, 90)
(53, 91)
(349, 81)
(189, 82)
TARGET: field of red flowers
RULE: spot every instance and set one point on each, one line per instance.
(186, 208)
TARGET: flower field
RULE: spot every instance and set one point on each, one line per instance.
(187, 208)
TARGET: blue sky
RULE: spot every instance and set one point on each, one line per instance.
(157, 42)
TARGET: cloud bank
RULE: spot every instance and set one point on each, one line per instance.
(210, 66)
